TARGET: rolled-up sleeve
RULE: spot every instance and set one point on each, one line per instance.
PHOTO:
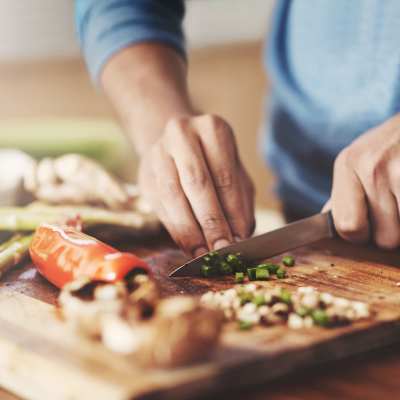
(106, 26)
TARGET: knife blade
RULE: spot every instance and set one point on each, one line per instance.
(289, 237)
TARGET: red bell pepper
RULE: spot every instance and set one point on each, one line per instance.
(64, 254)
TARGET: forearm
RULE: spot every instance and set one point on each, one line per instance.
(147, 85)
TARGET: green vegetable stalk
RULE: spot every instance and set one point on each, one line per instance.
(13, 251)
(25, 219)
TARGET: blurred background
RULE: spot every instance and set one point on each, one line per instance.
(49, 106)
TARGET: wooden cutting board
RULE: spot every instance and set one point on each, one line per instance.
(41, 359)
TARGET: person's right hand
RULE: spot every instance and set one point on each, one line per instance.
(194, 180)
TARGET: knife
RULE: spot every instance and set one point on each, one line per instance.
(289, 237)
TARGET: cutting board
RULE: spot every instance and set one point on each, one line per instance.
(41, 359)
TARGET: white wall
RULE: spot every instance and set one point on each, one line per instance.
(37, 29)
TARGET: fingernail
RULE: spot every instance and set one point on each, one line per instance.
(199, 251)
(237, 238)
(219, 244)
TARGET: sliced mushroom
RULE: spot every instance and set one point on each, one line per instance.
(84, 303)
(182, 332)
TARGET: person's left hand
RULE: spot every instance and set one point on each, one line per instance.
(365, 198)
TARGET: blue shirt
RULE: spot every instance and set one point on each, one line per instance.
(334, 69)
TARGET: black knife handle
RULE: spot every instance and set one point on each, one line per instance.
(331, 224)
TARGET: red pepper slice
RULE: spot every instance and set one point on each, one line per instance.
(64, 254)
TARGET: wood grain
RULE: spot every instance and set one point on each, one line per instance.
(45, 359)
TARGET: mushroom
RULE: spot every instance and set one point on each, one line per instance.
(84, 303)
(130, 319)
(181, 332)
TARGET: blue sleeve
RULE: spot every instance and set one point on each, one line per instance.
(107, 26)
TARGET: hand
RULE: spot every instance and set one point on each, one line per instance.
(365, 196)
(194, 180)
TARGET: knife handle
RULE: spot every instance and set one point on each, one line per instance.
(331, 224)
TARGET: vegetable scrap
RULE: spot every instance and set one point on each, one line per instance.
(130, 318)
(253, 304)
(234, 264)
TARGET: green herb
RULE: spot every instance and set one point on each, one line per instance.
(281, 273)
(207, 271)
(225, 268)
(13, 251)
(236, 262)
(262, 274)
(245, 325)
(302, 311)
(289, 261)
(245, 297)
(212, 258)
(239, 277)
(320, 317)
(286, 296)
(251, 273)
(258, 300)
(272, 268)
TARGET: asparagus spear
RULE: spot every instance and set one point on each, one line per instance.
(29, 218)
(13, 251)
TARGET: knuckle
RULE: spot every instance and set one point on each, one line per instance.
(224, 179)
(194, 176)
(212, 223)
(171, 186)
(345, 159)
(176, 131)
(176, 124)
(215, 125)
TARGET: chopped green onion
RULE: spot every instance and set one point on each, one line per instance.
(235, 261)
(281, 273)
(251, 273)
(212, 258)
(286, 296)
(245, 325)
(320, 317)
(207, 271)
(239, 277)
(262, 274)
(302, 311)
(289, 261)
(245, 297)
(272, 268)
(258, 300)
(225, 268)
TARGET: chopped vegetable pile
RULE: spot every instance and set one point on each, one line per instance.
(252, 304)
(234, 264)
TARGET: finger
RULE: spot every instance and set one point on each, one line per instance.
(385, 219)
(248, 192)
(185, 149)
(327, 206)
(219, 149)
(349, 205)
(173, 207)
(383, 207)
